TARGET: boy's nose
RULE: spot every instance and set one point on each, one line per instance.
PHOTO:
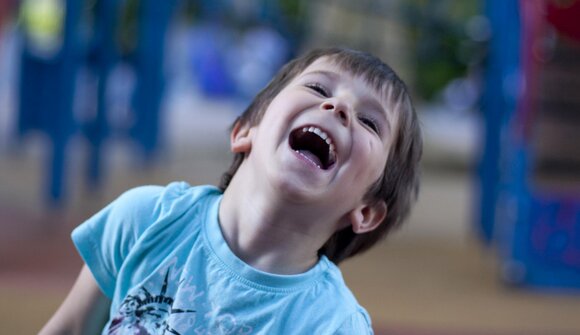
(338, 109)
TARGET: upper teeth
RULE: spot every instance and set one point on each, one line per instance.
(322, 135)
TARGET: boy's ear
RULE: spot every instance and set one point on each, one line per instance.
(367, 217)
(240, 138)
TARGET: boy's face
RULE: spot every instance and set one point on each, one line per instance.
(324, 139)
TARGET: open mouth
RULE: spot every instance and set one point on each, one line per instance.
(315, 145)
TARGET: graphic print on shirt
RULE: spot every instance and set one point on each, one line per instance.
(144, 313)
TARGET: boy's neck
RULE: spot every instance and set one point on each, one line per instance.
(267, 232)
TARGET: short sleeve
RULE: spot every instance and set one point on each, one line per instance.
(357, 323)
(105, 239)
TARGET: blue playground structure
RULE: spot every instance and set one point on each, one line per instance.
(72, 48)
(86, 37)
(534, 225)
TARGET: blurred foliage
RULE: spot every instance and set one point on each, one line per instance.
(441, 46)
(292, 9)
(285, 16)
(127, 31)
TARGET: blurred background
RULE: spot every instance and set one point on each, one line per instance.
(99, 96)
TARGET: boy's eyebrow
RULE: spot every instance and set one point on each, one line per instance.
(330, 74)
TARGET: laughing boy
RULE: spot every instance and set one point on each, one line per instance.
(325, 164)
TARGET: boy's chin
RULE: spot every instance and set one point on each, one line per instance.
(296, 191)
(295, 180)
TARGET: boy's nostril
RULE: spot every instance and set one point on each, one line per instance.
(327, 106)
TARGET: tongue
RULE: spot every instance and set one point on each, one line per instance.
(311, 157)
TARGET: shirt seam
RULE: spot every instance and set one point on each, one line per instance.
(349, 317)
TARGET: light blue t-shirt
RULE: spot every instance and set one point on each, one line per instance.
(159, 254)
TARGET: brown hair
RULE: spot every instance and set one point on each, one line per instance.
(399, 184)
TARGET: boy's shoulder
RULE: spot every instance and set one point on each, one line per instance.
(332, 305)
(163, 200)
(143, 208)
(340, 290)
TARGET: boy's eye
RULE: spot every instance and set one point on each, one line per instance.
(316, 87)
(371, 123)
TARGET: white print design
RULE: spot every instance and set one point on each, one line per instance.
(143, 312)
